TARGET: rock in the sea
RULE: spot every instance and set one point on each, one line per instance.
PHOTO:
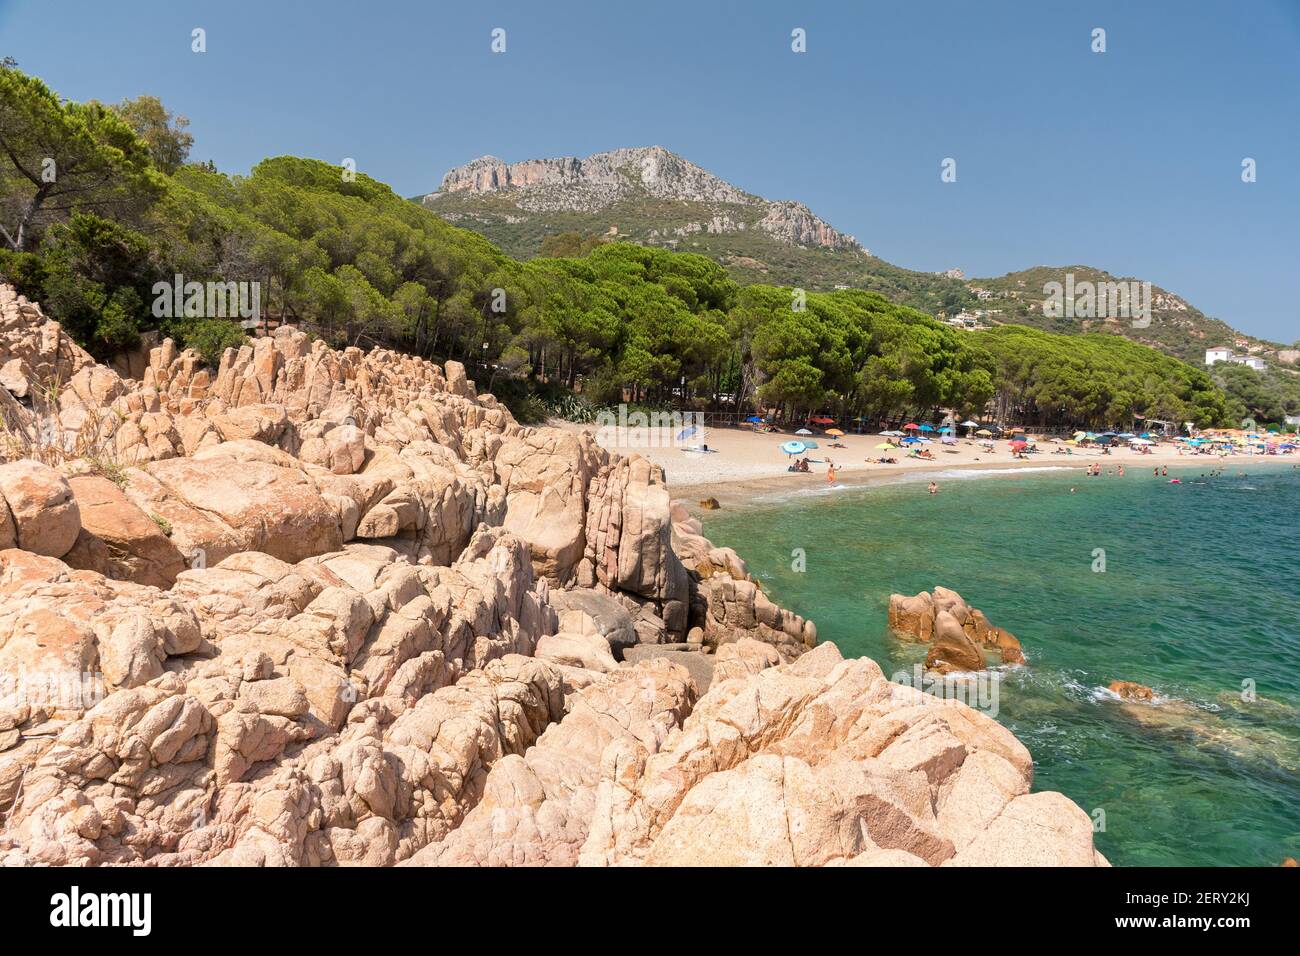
(959, 632)
(1129, 690)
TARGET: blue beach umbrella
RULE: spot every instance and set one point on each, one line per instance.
(808, 443)
(753, 418)
(927, 428)
(793, 447)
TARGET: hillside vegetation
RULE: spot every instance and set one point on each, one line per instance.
(353, 262)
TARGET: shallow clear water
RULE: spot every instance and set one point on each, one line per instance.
(1200, 593)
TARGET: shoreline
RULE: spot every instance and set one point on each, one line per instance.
(747, 466)
(755, 491)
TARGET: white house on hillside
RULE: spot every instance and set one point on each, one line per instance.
(1222, 353)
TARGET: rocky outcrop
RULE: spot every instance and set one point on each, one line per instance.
(336, 608)
(823, 761)
(958, 634)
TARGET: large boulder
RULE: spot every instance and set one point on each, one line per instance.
(960, 633)
(219, 506)
(39, 513)
(136, 547)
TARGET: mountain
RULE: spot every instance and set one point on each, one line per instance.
(652, 196)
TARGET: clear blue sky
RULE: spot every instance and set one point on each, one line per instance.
(1128, 160)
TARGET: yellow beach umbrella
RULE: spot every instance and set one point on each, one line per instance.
(884, 446)
(984, 431)
(834, 431)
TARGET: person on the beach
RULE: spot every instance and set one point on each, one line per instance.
(934, 489)
(830, 474)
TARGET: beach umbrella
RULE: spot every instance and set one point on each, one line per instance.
(753, 418)
(970, 424)
(1126, 435)
(986, 443)
(793, 447)
(1139, 441)
(803, 431)
(822, 420)
(984, 431)
(911, 440)
(808, 443)
(884, 446)
(910, 425)
(686, 433)
(926, 428)
(1019, 444)
(945, 430)
(835, 431)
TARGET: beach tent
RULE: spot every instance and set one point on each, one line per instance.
(793, 447)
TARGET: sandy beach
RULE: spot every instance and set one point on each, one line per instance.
(742, 464)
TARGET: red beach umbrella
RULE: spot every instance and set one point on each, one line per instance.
(911, 425)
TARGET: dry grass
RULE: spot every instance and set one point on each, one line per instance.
(37, 433)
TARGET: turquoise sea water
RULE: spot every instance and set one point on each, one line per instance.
(1200, 594)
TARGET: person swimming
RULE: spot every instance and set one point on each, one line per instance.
(934, 489)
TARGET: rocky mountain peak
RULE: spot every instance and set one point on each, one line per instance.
(602, 181)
